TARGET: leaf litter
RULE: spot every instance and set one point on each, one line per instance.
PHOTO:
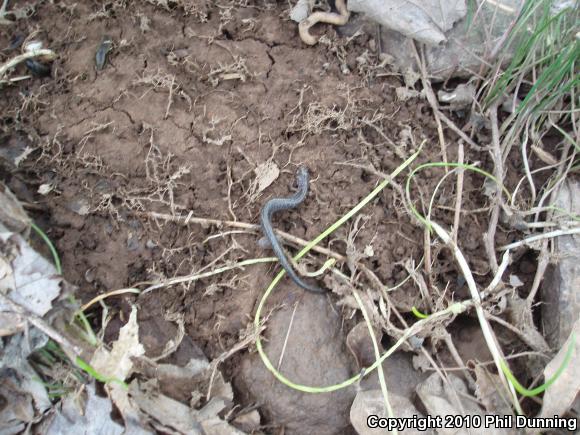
(125, 358)
(30, 282)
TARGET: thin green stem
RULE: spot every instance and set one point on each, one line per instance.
(540, 389)
(53, 251)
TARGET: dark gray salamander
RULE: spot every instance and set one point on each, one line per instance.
(280, 204)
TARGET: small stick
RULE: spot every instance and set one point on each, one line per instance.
(287, 335)
(15, 79)
(197, 275)
(543, 236)
(489, 236)
(490, 338)
(543, 256)
(70, 349)
(460, 133)
(186, 220)
(459, 189)
(455, 354)
(106, 295)
(432, 102)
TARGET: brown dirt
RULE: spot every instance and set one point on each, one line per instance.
(164, 128)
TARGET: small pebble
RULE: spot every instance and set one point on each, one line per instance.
(103, 51)
(132, 241)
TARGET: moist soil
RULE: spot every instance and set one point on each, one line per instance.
(193, 100)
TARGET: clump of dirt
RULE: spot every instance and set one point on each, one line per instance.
(142, 157)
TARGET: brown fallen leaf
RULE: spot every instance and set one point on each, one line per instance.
(266, 174)
(12, 214)
(371, 402)
(490, 391)
(93, 415)
(452, 398)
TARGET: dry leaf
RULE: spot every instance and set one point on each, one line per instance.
(371, 402)
(450, 398)
(173, 415)
(560, 395)
(424, 20)
(45, 189)
(249, 421)
(27, 278)
(520, 315)
(266, 174)
(12, 214)
(94, 417)
(117, 363)
(489, 390)
(24, 399)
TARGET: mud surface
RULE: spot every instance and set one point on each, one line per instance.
(192, 100)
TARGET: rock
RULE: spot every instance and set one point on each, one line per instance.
(300, 11)
(371, 402)
(132, 241)
(561, 286)
(314, 355)
(80, 206)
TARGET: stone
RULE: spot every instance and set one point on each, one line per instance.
(314, 355)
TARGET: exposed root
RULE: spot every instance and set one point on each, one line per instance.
(339, 19)
(185, 220)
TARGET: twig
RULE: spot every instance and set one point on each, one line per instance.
(543, 259)
(15, 79)
(460, 133)
(432, 101)
(224, 356)
(170, 98)
(543, 236)
(488, 334)
(459, 190)
(106, 295)
(527, 163)
(455, 355)
(380, 370)
(287, 335)
(70, 349)
(189, 219)
(505, 262)
(489, 236)
(196, 276)
(524, 337)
